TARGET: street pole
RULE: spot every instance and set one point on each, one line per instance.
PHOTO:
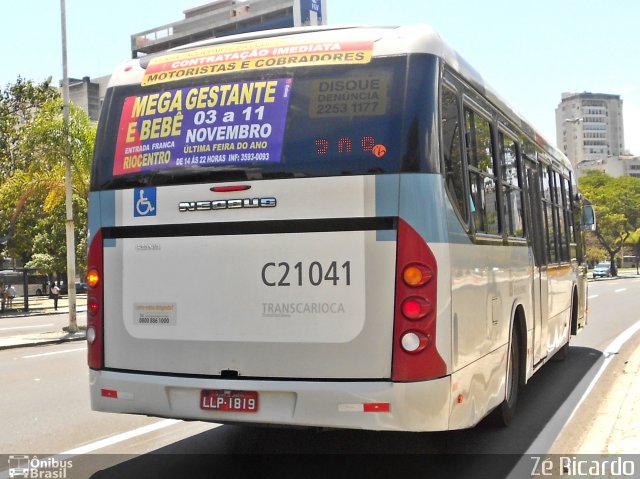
(71, 247)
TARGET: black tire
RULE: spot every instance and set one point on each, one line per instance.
(561, 354)
(504, 413)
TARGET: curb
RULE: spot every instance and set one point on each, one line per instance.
(36, 314)
(25, 343)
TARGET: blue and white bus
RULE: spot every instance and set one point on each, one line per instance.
(325, 227)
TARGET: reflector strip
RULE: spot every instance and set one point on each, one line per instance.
(377, 407)
(367, 407)
(109, 393)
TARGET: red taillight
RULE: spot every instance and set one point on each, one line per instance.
(94, 304)
(416, 307)
(415, 354)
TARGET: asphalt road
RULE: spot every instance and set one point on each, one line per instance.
(44, 409)
(19, 325)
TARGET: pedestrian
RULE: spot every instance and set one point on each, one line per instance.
(55, 294)
(5, 296)
(12, 294)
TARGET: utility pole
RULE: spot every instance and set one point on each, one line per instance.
(71, 246)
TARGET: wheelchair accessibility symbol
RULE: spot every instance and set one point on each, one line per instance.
(144, 202)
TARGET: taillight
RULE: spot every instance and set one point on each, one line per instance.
(414, 341)
(416, 307)
(415, 355)
(95, 319)
(92, 305)
(93, 278)
(416, 274)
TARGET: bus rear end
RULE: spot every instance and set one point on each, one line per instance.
(252, 254)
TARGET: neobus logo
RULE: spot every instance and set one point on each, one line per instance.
(185, 206)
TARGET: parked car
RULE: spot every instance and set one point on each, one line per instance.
(602, 270)
(80, 288)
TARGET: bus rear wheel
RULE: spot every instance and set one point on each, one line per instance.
(504, 413)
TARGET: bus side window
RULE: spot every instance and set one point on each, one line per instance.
(482, 177)
(511, 189)
(451, 140)
(549, 217)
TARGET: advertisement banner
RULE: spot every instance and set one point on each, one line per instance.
(269, 53)
(224, 124)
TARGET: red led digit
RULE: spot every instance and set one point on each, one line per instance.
(322, 146)
(344, 145)
(368, 142)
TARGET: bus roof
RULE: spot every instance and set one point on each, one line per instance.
(384, 41)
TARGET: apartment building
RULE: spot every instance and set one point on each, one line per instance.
(590, 131)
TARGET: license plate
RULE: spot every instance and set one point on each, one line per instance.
(231, 401)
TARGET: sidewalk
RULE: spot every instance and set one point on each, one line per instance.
(608, 421)
(617, 427)
(43, 306)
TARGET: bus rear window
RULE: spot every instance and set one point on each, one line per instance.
(316, 121)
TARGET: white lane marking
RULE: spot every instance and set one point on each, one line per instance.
(110, 441)
(620, 290)
(567, 410)
(26, 327)
(609, 353)
(56, 352)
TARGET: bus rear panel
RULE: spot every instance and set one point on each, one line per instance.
(324, 228)
(245, 243)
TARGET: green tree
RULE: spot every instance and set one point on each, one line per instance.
(19, 103)
(634, 241)
(617, 204)
(32, 194)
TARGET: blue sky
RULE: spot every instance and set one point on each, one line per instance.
(530, 52)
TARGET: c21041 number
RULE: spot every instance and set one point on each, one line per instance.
(301, 274)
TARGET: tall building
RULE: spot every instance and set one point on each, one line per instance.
(227, 17)
(88, 94)
(589, 130)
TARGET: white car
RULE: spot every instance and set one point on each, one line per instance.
(602, 270)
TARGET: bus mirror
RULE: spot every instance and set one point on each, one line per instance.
(588, 218)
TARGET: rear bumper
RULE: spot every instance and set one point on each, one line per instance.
(422, 406)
